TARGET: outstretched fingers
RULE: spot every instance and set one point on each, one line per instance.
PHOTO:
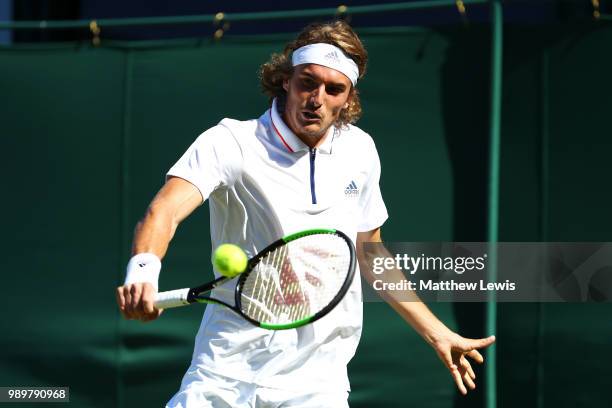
(476, 356)
(465, 364)
(447, 358)
(472, 344)
(458, 380)
(467, 373)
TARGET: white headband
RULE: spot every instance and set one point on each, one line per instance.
(327, 55)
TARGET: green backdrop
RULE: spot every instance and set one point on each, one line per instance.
(88, 133)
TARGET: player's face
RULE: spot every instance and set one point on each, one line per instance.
(315, 97)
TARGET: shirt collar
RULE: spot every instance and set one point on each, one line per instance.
(290, 139)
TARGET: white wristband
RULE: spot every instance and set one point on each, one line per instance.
(143, 267)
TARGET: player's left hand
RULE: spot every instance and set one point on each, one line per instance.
(137, 301)
(453, 350)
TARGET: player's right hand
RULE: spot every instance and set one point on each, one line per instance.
(137, 301)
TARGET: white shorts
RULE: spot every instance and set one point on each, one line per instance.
(216, 391)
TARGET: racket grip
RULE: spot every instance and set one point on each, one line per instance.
(172, 298)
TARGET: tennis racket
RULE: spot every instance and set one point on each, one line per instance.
(292, 282)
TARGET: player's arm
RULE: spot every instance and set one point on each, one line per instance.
(172, 204)
(450, 346)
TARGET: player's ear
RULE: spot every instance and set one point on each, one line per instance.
(349, 99)
(286, 84)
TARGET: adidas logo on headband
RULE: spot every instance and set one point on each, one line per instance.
(326, 55)
(333, 57)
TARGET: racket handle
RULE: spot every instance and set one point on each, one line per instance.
(172, 298)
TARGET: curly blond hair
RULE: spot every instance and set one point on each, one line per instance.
(338, 33)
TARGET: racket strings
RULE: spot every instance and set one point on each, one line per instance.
(296, 280)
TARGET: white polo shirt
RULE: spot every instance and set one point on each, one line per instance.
(262, 183)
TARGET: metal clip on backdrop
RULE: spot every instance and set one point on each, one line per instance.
(221, 26)
(462, 11)
(95, 32)
(342, 13)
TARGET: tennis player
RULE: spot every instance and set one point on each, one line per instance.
(302, 164)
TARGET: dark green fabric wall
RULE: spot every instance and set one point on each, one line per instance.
(558, 96)
(88, 133)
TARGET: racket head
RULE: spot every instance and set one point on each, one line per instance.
(297, 279)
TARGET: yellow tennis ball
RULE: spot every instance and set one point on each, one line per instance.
(230, 260)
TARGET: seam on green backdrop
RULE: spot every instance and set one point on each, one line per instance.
(124, 208)
(544, 177)
(192, 42)
(493, 213)
(230, 39)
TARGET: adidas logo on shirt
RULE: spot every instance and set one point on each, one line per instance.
(351, 190)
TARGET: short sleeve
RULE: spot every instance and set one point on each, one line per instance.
(213, 161)
(373, 209)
